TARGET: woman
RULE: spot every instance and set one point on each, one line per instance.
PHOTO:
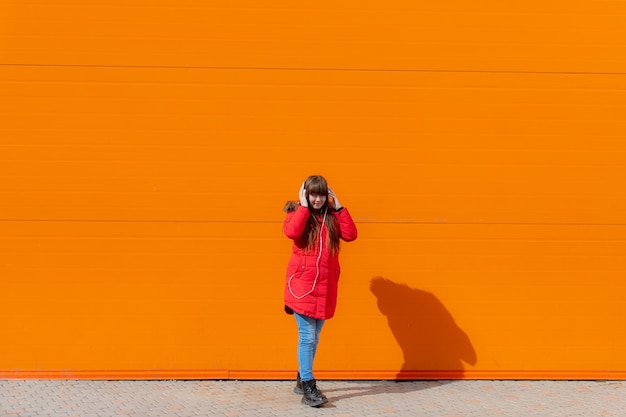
(316, 224)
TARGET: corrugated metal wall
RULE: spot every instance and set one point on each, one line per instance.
(147, 148)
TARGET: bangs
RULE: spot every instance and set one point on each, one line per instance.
(317, 185)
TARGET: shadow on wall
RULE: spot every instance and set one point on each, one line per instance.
(430, 340)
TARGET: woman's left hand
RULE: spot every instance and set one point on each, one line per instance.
(336, 202)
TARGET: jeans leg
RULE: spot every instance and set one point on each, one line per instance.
(308, 337)
(318, 330)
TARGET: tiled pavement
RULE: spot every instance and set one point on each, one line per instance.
(26, 398)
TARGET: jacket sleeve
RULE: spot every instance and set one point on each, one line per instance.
(294, 224)
(347, 227)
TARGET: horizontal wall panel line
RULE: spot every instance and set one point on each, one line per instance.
(321, 374)
(356, 219)
(338, 69)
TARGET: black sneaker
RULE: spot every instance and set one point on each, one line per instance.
(298, 388)
(312, 396)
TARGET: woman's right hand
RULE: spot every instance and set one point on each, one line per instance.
(303, 199)
(336, 203)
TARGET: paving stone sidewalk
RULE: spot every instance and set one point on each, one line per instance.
(29, 398)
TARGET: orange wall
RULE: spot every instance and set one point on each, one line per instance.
(146, 150)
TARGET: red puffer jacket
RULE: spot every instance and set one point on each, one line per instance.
(312, 278)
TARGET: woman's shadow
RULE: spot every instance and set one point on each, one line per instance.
(431, 341)
(433, 345)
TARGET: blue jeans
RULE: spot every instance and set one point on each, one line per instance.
(308, 336)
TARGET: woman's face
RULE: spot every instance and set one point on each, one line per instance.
(317, 201)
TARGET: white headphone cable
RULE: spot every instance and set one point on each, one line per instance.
(317, 264)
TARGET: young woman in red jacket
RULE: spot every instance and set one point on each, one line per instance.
(316, 224)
